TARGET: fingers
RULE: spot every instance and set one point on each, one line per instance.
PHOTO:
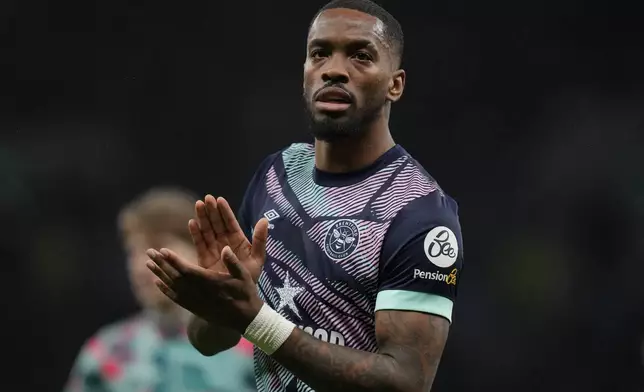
(164, 270)
(159, 272)
(180, 264)
(214, 215)
(207, 231)
(236, 236)
(260, 235)
(173, 265)
(197, 237)
(235, 268)
(170, 267)
(166, 290)
(230, 221)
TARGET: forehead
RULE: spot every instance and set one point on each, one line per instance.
(343, 24)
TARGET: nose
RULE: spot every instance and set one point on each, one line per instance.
(335, 71)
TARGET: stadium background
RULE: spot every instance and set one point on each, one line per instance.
(530, 115)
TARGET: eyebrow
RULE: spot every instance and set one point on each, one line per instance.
(353, 43)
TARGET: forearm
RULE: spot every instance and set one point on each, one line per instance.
(329, 367)
(208, 339)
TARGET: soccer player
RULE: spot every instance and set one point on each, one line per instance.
(151, 351)
(350, 277)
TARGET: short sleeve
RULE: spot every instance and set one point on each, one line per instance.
(246, 213)
(422, 258)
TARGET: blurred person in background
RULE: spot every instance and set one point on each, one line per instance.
(150, 351)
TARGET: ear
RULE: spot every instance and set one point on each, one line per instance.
(396, 85)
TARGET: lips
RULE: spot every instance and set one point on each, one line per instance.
(333, 95)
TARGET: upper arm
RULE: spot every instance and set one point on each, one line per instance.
(415, 341)
(421, 260)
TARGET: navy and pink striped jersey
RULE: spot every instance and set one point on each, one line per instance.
(344, 246)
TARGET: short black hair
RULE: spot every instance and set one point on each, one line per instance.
(393, 30)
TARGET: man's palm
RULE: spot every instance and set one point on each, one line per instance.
(217, 227)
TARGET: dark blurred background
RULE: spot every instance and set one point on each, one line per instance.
(530, 114)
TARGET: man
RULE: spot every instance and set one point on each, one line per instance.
(357, 250)
(151, 352)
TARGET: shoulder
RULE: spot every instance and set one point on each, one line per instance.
(113, 334)
(433, 208)
(294, 154)
(422, 209)
(98, 351)
(298, 150)
(417, 199)
(298, 157)
(266, 177)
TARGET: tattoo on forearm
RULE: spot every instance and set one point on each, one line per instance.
(410, 345)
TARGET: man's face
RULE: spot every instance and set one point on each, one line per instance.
(348, 73)
(141, 278)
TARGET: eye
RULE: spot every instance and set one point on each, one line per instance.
(363, 56)
(316, 54)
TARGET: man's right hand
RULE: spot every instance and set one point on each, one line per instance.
(216, 227)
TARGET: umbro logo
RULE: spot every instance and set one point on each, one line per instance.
(271, 215)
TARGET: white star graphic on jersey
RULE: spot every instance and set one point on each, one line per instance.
(287, 295)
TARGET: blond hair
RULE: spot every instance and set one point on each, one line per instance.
(157, 213)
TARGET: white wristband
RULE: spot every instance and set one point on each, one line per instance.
(269, 330)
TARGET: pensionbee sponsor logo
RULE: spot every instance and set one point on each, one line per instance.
(449, 278)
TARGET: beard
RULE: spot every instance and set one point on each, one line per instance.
(351, 124)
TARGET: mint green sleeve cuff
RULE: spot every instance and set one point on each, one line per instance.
(415, 301)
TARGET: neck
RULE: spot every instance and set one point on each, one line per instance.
(355, 153)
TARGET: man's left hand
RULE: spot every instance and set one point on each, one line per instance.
(224, 299)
